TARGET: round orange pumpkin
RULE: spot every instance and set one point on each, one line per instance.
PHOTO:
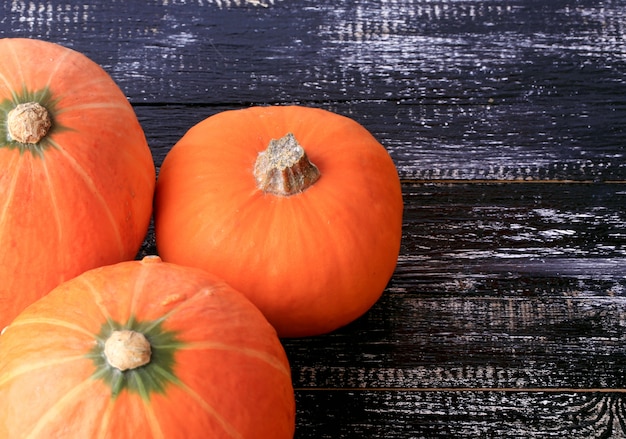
(77, 176)
(296, 207)
(144, 349)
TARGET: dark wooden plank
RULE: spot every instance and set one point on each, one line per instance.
(324, 51)
(449, 414)
(474, 222)
(478, 343)
(456, 90)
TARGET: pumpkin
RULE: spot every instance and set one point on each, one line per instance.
(298, 208)
(77, 176)
(144, 349)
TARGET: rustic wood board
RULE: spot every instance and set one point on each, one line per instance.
(455, 89)
(461, 414)
(507, 122)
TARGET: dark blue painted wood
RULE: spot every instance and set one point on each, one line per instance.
(506, 314)
(469, 89)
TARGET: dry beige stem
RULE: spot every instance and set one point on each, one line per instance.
(284, 168)
(28, 122)
(127, 349)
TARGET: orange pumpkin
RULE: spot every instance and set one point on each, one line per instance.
(77, 176)
(144, 349)
(298, 208)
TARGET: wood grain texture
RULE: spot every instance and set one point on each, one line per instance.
(463, 414)
(507, 122)
(455, 89)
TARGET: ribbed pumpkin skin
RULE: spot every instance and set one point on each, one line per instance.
(313, 261)
(82, 197)
(229, 377)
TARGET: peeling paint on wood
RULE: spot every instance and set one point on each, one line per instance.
(507, 122)
(455, 90)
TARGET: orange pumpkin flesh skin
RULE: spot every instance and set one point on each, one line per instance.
(200, 361)
(77, 176)
(313, 252)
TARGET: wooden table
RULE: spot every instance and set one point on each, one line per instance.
(507, 122)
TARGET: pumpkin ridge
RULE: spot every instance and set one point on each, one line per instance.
(18, 66)
(9, 193)
(59, 62)
(228, 223)
(86, 84)
(144, 393)
(57, 215)
(93, 106)
(166, 375)
(7, 84)
(80, 170)
(50, 321)
(136, 290)
(5, 378)
(105, 420)
(153, 421)
(252, 353)
(54, 412)
(97, 297)
(142, 389)
(150, 325)
(208, 408)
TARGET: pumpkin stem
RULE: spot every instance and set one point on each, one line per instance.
(127, 349)
(28, 122)
(284, 168)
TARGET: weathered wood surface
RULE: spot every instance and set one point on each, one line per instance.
(507, 121)
(455, 89)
